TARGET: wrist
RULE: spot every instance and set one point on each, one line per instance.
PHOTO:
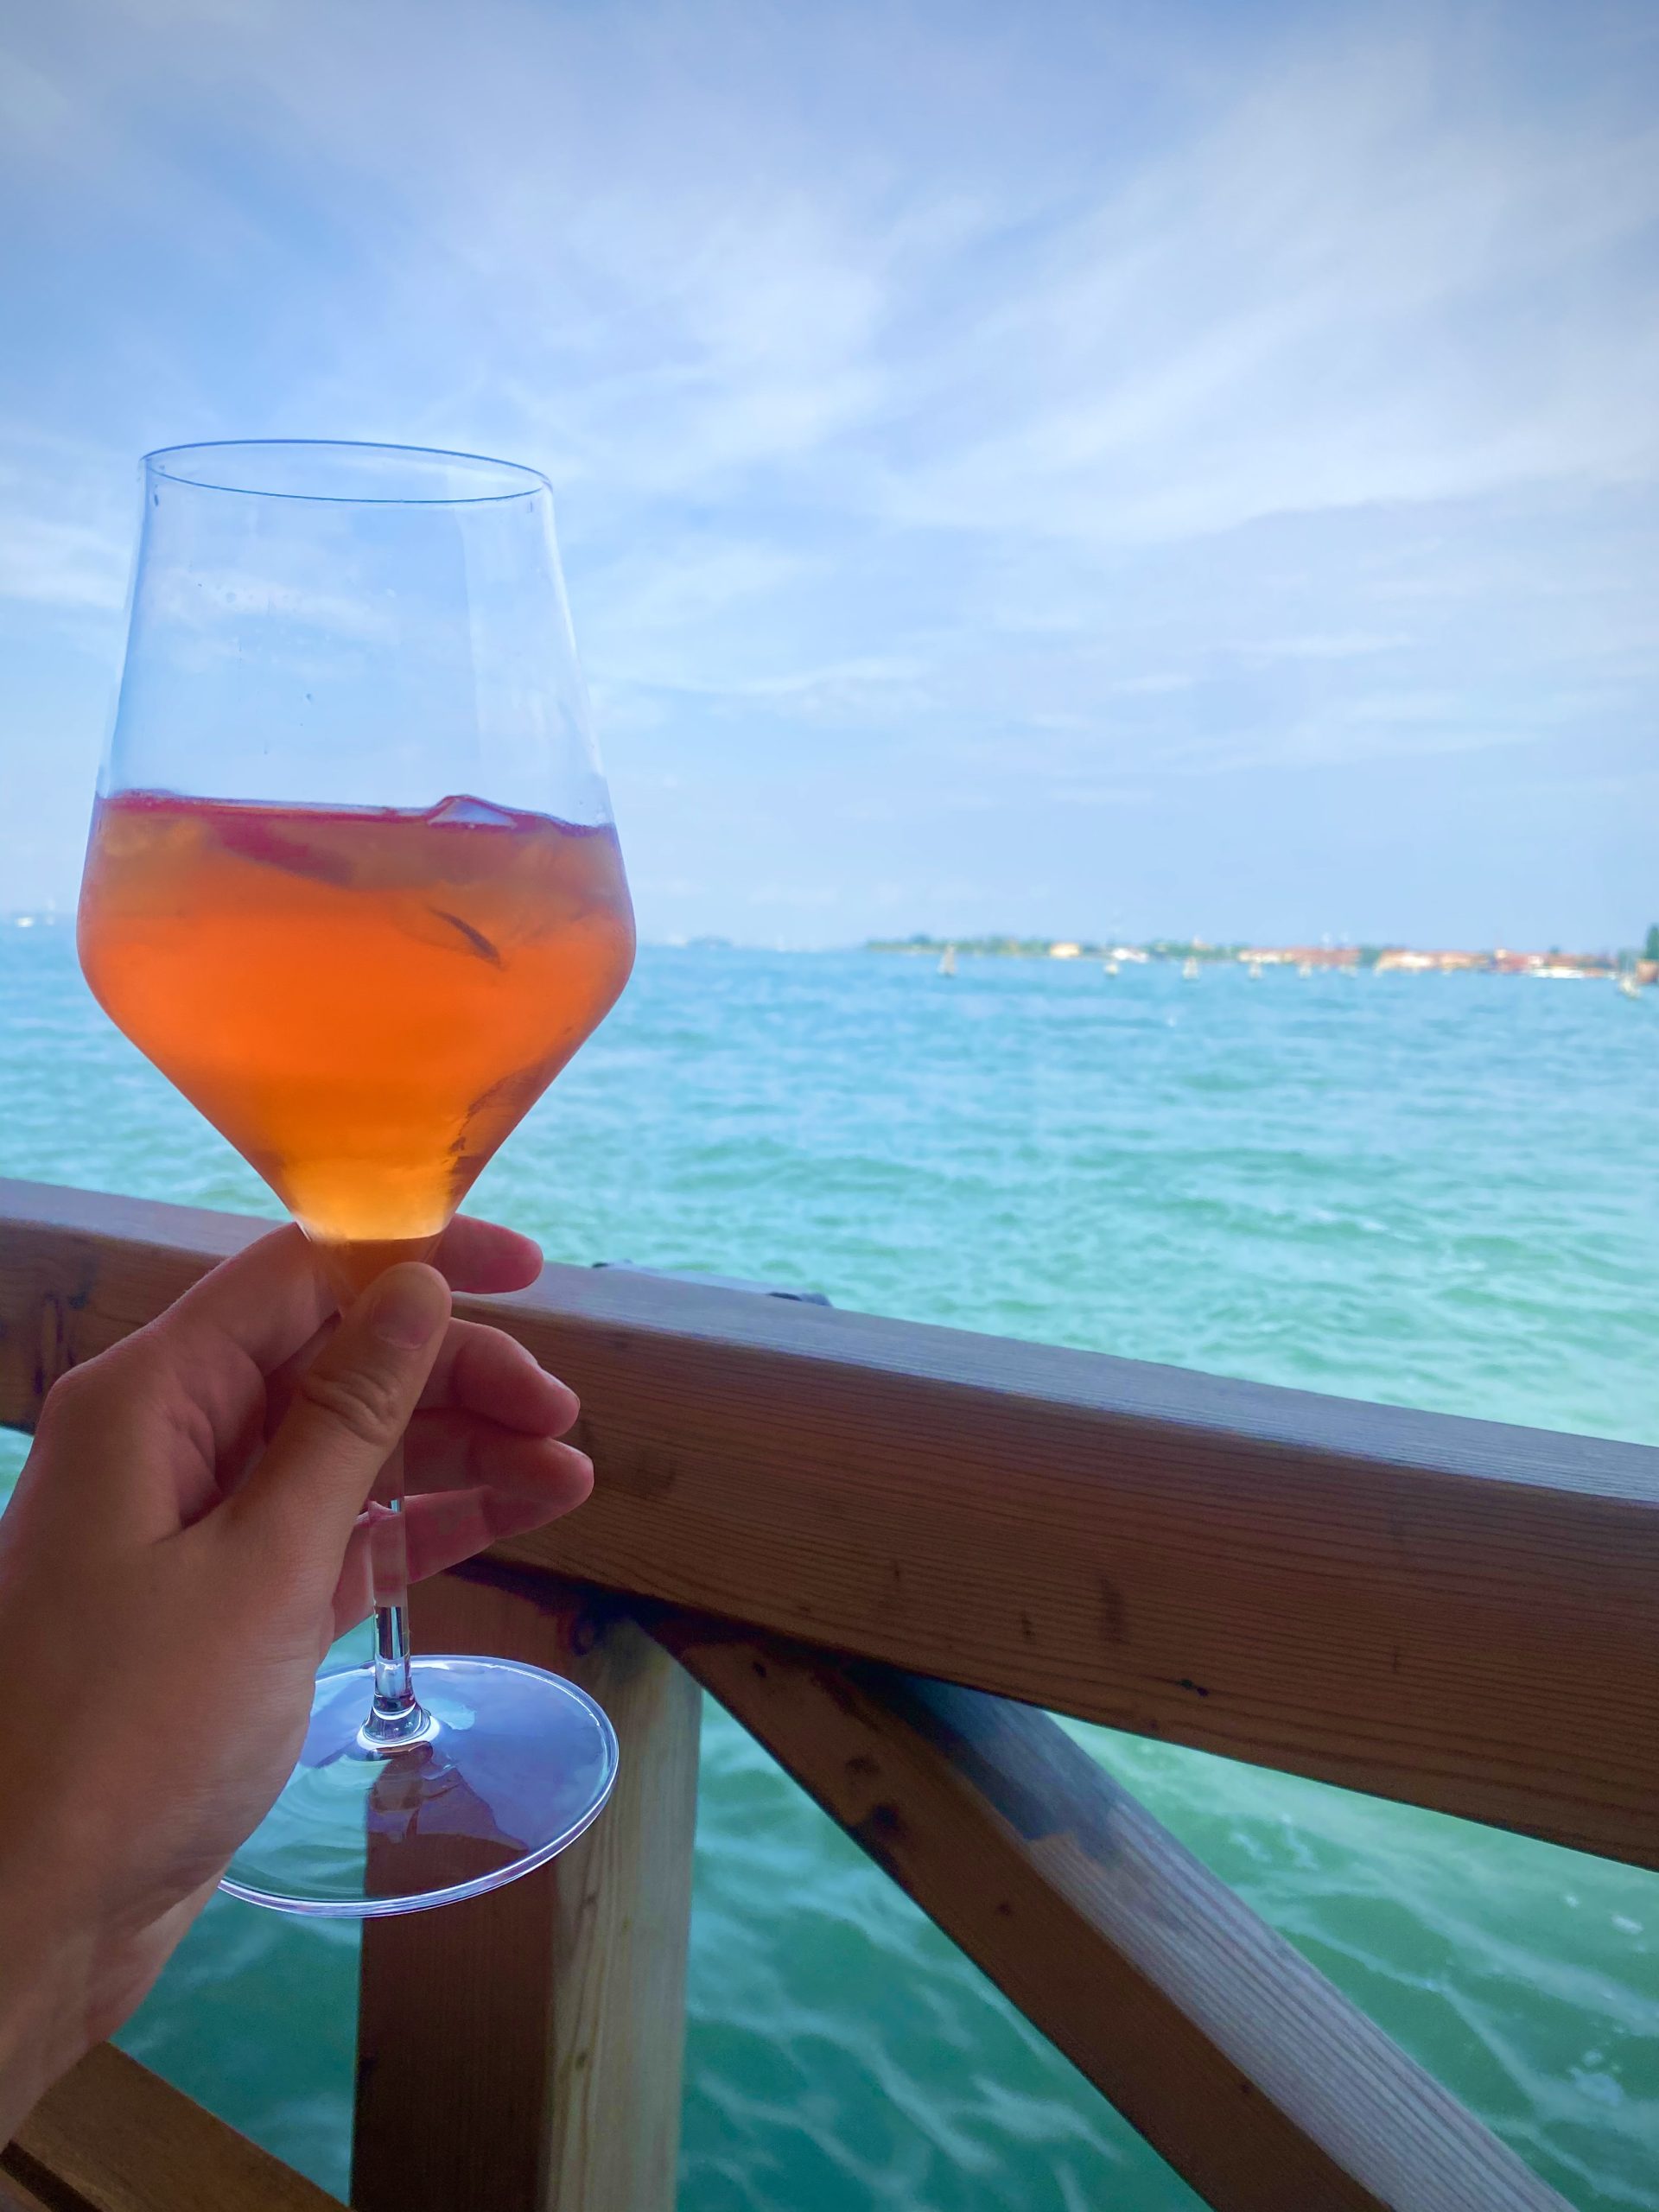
(43, 1974)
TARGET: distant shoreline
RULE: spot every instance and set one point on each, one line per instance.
(1629, 968)
(1383, 959)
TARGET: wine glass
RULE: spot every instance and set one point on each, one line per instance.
(352, 886)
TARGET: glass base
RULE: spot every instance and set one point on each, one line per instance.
(515, 1765)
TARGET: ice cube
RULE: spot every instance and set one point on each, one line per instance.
(477, 813)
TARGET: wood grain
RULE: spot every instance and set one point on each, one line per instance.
(1449, 1611)
(523, 2050)
(113, 2137)
(1258, 2082)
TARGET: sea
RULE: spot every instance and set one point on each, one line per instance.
(1431, 1191)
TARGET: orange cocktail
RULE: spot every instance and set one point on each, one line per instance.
(364, 1001)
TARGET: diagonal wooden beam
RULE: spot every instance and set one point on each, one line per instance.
(113, 2137)
(14, 2197)
(1257, 2080)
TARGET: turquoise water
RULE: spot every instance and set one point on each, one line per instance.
(1441, 1192)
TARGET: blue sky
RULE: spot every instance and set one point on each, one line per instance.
(1121, 468)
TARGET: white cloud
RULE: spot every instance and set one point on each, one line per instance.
(1348, 290)
(1179, 387)
(50, 562)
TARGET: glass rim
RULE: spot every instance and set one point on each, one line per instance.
(523, 481)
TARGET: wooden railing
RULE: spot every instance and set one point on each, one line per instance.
(883, 1547)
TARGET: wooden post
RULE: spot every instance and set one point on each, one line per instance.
(521, 2052)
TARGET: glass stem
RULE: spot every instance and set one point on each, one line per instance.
(396, 1717)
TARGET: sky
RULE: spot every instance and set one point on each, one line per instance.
(1109, 470)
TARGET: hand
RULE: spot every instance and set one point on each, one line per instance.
(184, 1545)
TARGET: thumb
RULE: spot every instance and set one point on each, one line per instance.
(349, 1411)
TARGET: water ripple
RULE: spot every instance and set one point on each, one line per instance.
(1431, 1193)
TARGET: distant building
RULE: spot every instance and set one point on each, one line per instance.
(1065, 950)
(1302, 956)
(1566, 967)
(1400, 961)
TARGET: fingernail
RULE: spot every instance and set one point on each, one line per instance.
(408, 1306)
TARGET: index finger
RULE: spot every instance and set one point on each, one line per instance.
(481, 1256)
(272, 1297)
(478, 1370)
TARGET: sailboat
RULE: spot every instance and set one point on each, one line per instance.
(948, 964)
(1629, 987)
(1254, 971)
(1109, 967)
(1189, 969)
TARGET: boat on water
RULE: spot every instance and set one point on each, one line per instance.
(1306, 967)
(1109, 967)
(1189, 968)
(948, 964)
(1254, 971)
(1629, 988)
